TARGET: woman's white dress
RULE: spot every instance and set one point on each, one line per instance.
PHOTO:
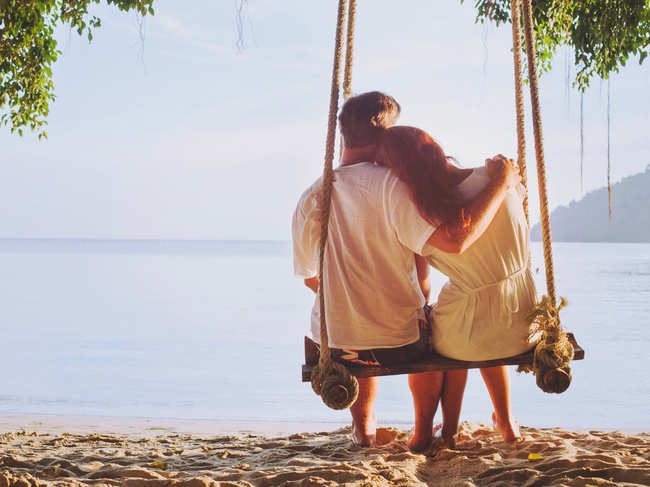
(482, 311)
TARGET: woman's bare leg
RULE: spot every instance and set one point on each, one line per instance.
(452, 402)
(498, 385)
(425, 388)
(364, 421)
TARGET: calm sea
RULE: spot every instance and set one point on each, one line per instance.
(214, 330)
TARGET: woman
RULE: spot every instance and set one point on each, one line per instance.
(481, 312)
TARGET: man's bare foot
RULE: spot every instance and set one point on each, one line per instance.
(365, 434)
(509, 430)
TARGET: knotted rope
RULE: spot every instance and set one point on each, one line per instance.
(349, 50)
(519, 100)
(554, 352)
(349, 59)
(331, 380)
(539, 148)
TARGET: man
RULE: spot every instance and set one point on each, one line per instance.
(373, 298)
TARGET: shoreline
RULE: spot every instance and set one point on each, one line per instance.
(147, 426)
(150, 426)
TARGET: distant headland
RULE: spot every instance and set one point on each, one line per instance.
(587, 220)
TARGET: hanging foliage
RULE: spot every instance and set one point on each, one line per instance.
(28, 50)
(604, 34)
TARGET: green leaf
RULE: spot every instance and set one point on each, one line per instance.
(602, 34)
(28, 50)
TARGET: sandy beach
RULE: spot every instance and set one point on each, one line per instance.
(141, 453)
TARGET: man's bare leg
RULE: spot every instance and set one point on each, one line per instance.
(498, 385)
(364, 421)
(425, 388)
(452, 402)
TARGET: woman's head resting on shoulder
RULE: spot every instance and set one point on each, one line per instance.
(422, 165)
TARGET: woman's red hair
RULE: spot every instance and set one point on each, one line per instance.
(421, 163)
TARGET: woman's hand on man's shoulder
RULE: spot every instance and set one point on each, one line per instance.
(503, 168)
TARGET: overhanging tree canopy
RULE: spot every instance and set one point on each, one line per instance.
(603, 33)
(28, 50)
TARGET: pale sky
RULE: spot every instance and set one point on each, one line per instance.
(183, 136)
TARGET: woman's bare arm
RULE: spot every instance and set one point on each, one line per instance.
(455, 237)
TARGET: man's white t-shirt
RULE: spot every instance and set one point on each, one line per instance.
(372, 295)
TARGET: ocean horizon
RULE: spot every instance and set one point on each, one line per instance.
(213, 330)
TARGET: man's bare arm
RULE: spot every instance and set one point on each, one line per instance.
(422, 268)
(455, 237)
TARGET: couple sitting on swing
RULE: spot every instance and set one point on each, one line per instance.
(398, 206)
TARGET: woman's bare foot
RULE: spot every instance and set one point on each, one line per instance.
(418, 443)
(420, 440)
(449, 437)
(365, 434)
(509, 430)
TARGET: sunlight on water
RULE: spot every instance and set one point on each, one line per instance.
(214, 330)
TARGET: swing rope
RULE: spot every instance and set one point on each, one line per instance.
(349, 59)
(331, 380)
(349, 50)
(519, 100)
(554, 352)
(539, 148)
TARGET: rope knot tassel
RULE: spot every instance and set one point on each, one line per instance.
(554, 351)
(337, 387)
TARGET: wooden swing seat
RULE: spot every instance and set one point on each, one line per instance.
(436, 362)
